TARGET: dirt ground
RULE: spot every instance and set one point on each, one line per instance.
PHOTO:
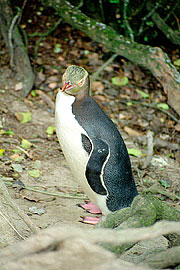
(55, 176)
(44, 156)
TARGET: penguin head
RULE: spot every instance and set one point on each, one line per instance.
(75, 80)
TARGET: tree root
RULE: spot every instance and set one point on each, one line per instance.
(22, 71)
(20, 213)
(63, 247)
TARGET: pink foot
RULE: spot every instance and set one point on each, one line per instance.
(91, 208)
(90, 220)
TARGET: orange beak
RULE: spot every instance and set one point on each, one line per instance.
(67, 85)
(64, 86)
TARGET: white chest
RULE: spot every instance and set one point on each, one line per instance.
(69, 134)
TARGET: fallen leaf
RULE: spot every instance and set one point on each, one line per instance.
(100, 98)
(17, 150)
(129, 103)
(122, 116)
(61, 58)
(177, 127)
(17, 167)
(163, 106)
(23, 117)
(33, 93)
(108, 68)
(37, 164)
(37, 211)
(134, 152)
(18, 86)
(26, 144)
(50, 130)
(9, 132)
(142, 93)
(2, 152)
(165, 183)
(34, 173)
(119, 81)
(98, 87)
(6, 132)
(177, 62)
(85, 52)
(57, 48)
(16, 157)
(53, 85)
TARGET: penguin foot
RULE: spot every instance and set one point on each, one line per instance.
(91, 208)
(90, 220)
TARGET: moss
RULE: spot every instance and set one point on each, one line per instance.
(115, 218)
(144, 211)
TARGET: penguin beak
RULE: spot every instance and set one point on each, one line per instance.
(68, 85)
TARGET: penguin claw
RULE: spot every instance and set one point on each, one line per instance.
(90, 220)
(91, 208)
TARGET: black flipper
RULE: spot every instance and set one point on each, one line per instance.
(97, 156)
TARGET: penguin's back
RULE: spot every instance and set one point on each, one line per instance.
(117, 174)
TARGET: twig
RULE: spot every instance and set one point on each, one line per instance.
(81, 2)
(20, 213)
(174, 7)
(108, 62)
(151, 11)
(48, 32)
(67, 196)
(154, 106)
(11, 225)
(149, 151)
(10, 35)
(24, 151)
(22, 8)
(126, 22)
(102, 10)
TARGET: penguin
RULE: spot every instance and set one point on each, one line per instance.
(92, 144)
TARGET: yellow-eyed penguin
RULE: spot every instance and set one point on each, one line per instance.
(92, 145)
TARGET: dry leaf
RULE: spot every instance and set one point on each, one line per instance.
(132, 132)
(53, 85)
(18, 86)
(177, 127)
(98, 87)
(16, 157)
(100, 98)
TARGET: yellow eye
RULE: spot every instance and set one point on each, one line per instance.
(81, 82)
